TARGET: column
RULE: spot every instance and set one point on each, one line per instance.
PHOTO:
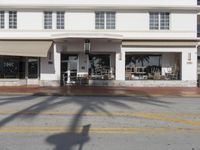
(189, 64)
(57, 57)
(120, 66)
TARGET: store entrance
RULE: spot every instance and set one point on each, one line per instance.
(69, 68)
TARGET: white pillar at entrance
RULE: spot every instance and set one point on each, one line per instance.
(57, 63)
(120, 66)
(189, 64)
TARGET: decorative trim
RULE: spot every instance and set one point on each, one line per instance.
(100, 6)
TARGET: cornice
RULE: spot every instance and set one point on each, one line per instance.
(100, 7)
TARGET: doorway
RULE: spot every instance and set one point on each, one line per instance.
(69, 69)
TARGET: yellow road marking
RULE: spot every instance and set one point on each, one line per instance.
(40, 129)
(123, 114)
(168, 117)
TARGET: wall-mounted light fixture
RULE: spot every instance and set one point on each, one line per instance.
(87, 46)
(189, 56)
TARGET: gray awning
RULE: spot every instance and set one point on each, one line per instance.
(25, 48)
(183, 43)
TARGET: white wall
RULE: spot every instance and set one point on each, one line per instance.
(189, 68)
(120, 66)
(132, 20)
(29, 20)
(80, 21)
(129, 24)
(183, 21)
(50, 71)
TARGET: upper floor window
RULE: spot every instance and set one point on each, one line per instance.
(159, 20)
(47, 20)
(2, 23)
(105, 20)
(12, 19)
(60, 19)
(110, 20)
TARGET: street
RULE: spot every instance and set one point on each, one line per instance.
(99, 123)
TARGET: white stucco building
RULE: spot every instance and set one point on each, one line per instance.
(115, 43)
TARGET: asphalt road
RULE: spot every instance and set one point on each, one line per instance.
(99, 123)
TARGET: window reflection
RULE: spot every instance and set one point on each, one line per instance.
(100, 67)
(15, 67)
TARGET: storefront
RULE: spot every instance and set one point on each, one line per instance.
(13, 67)
(20, 61)
(109, 62)
(153, 66)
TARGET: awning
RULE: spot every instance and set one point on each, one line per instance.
(25, 48)
(159, 43)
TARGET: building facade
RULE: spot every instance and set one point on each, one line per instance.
(108, 43)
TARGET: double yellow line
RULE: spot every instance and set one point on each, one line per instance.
(39, 129)
(167, 117)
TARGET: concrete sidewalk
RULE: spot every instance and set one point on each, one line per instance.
(101, 91)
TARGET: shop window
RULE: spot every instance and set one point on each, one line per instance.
(100, 67)
(148, 67)
(143, 66)
(12, 67)
(15, 67)
(22, 68)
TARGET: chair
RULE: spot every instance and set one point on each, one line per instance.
(157, 76)
(128, 73)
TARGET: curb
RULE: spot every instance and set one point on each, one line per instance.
(96, 94)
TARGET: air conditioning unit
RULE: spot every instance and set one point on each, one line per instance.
(87, 46)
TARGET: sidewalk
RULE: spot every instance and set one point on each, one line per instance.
(100, 91)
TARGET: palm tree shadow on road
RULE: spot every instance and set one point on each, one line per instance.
(71, 138)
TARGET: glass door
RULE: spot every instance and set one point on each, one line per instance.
(69, 65)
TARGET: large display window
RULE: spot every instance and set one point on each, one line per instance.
(18, 67)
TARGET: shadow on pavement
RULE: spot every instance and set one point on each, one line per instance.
(71, 138)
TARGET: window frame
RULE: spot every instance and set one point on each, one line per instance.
(60, 20)
(160, 21)
(12, 16)
(165, 20)
(47, 26)
(101, 17)
(2, 19)
(107, 23)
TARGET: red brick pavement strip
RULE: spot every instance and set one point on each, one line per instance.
(100, 91)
